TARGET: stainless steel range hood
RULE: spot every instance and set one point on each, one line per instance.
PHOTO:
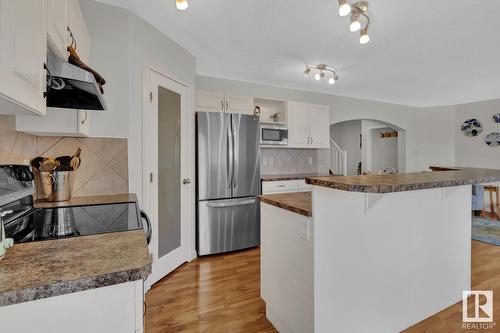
(71, 87)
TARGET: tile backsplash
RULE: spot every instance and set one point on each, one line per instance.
(286, 161)
(104, 168)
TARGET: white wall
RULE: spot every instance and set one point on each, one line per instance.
(122, 44)
(346, 135)
(341, 109)
(472, 151)
(437, 136)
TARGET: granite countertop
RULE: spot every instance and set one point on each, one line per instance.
(297, 202)
(294, 176)
(42, 269)
(451, 176)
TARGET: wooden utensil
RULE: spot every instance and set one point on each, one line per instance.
(75, 160)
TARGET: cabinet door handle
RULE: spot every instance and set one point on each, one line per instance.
(227, 105)
(85, 119)
(222, 105)
(312, 140)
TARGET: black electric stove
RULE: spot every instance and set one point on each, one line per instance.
(24, 223)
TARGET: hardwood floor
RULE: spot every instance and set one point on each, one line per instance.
(222, 294)
(212, 294)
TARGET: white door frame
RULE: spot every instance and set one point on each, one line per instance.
(149, 165)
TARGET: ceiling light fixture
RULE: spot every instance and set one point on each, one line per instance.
(355, 24)
(322, 70)
(358, 9)
(364, 37)
(344, 8)
(181, 4)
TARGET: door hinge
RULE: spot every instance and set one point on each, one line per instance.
(150, 96)
(150, 177)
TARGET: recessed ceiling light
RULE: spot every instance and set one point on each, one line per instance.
(181, 4)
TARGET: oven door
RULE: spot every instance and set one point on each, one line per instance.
(273, 135)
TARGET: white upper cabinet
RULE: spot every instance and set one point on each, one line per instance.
(23, 49)
(221, 102)
(308, 125)
(210, 101)
(239, 104)
(57, 29)
(299, 127)
(320, 126)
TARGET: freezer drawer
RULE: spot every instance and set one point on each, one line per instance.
(227, 225)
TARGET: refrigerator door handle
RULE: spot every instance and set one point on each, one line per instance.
(236, 152)
(231, 204)
(230, 156)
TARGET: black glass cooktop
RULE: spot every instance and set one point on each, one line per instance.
(49, 223)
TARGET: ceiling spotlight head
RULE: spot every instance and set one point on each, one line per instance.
(344, 8)
(307, 71)
(355, 24)
(364, 38)
(331, 80)
(181, 4)
(317, 76)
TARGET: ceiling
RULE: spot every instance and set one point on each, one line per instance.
(422, 53)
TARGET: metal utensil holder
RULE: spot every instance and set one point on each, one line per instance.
(57, 185)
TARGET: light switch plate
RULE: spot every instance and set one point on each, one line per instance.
(264, 160)
(310, 160)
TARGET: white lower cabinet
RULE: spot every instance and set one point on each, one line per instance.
(57, 122)
(283, 186)
(114, 309)
(287, 269)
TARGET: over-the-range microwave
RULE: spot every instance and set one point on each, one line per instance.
(274, 135)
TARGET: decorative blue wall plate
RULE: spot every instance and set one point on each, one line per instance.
(472, 127)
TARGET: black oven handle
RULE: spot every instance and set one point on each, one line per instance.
(148, 230)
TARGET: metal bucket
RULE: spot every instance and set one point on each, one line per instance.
(57, 185)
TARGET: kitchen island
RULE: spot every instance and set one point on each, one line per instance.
(388, 250)
(76, 284)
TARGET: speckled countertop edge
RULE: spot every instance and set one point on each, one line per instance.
(68, 287)
(390, 183)
(293, 202)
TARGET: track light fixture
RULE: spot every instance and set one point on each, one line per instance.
(358, 10)
(181, 4)
(322, 71)
(344, 8)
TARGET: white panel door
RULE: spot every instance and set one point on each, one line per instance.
(57, 25)
(167, 170)
(210, 101)
(23, 50)
(298, 125)
(320, 126)
(239, 104)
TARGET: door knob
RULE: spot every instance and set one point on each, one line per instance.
(186, 181)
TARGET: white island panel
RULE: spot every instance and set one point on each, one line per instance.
(383, 262)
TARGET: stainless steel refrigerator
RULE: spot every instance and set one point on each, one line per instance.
(228, 182)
